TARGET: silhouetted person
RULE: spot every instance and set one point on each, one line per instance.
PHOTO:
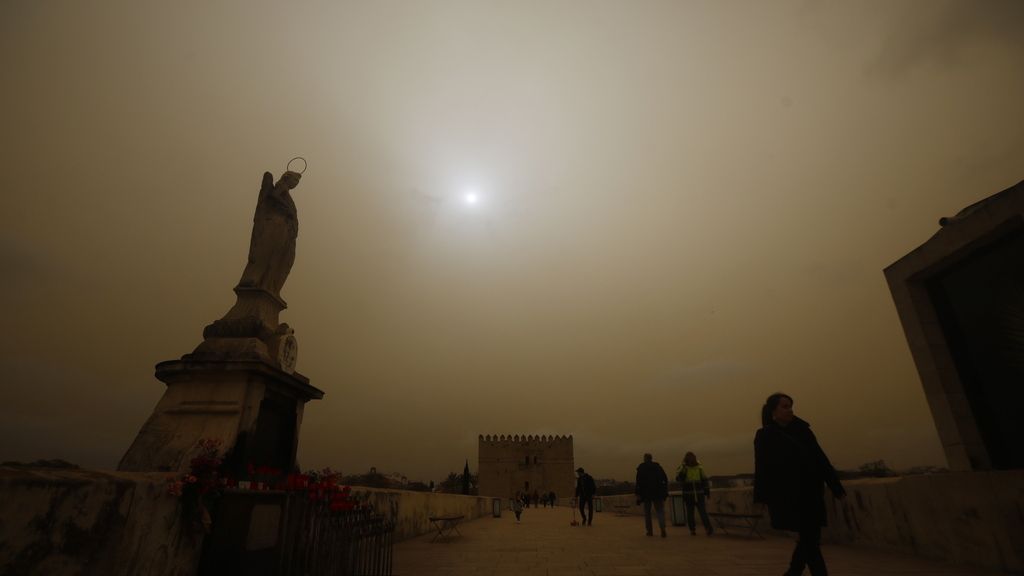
(696, 489)
(552, 498)
(517, 506)
(652, 489)
(790, 473)
(585, 489)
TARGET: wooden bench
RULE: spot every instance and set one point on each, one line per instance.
(746, 522)
(445, 525)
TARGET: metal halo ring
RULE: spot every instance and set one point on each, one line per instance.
(288, 167)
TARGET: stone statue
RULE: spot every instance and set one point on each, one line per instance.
(274, 229)
(250, 330)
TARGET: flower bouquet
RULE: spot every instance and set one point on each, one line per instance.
(200, 487)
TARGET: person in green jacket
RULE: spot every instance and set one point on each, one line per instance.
(695, 490)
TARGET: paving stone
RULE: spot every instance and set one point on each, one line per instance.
(543, 544)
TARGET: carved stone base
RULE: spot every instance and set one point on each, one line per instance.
(225, 349)
(250, 331)
(255, 313)
(254, 409)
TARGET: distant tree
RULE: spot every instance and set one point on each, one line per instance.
(453, 484)
(450, 485)
(371, 479)
(926, 470)
(877, 468)
(417, 486)
(466, 481)
(609, 487)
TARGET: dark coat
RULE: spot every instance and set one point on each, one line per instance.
(790, 473)
(585, 486)
(651, 481)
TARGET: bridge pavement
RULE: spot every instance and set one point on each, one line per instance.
(544, 544)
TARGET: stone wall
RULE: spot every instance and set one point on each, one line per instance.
(974, 518)
(78, 522)
(57, 522)
(410, 511)
(965, 517)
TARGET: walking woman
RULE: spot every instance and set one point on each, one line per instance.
(696, 490)
(790, 473)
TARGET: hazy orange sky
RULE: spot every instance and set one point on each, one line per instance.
(684, 206)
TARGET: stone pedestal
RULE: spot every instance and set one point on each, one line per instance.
(250, 331)
(252, 407)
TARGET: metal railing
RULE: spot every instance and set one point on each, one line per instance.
(317, 541)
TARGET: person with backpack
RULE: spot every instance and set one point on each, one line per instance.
(696, 489)
(585, 489)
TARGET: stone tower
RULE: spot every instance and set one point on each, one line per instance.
(528, 463)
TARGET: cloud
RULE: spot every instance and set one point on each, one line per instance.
(942, 34)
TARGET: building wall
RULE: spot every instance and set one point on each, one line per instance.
(511, 463)
(973, 230)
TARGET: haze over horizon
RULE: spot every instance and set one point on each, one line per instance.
(681, 207)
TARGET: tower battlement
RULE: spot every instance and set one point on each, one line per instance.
(524, 439)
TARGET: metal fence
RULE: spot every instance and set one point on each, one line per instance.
(278, 533)
(320, 542)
